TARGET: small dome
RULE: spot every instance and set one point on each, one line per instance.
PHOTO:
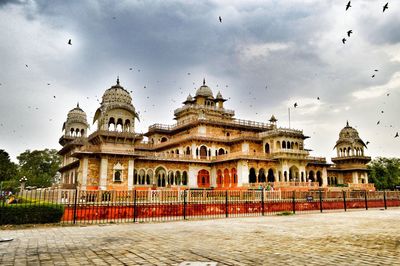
(204, 91)
(349, 135)
(189, 98)
(273, 119)
(116, 94)
(348, 132)
(77, 114)
(219, 96)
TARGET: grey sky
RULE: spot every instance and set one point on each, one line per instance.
(293, 47)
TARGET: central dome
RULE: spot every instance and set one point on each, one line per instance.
(204, 91)
(116, 94)
(348, 132)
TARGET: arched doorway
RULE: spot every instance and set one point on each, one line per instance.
(203, 179)
(219, 178)
(226, 178)
(261, 175)
(319, 178)
(203, 152)
(252, 176)
(161, 175)
(293, 173)
(271, 177)
(311, 176)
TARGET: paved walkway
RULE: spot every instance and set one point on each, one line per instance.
(354, 238)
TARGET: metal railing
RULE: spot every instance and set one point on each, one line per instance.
(82, 206)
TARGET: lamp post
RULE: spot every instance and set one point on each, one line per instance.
(23, 180)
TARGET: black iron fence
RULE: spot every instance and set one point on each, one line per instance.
(94, 207)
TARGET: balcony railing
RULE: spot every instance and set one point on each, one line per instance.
(369, 186)
(212, 108)
(277, 184)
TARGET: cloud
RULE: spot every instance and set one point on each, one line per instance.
(376, 91)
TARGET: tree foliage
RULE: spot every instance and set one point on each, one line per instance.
(384, 172)
(39, 166)
(8, 169)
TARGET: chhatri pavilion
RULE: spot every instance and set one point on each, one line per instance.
(207, 147)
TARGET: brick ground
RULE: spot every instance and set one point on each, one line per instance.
(354, 238)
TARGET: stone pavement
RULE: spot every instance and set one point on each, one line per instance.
(353, 238)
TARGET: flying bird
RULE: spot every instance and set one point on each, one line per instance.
(130, 68)
(69, 42)
(54, 96)
(373, 76)
(387, 94)
(220, 19)
(295, 105)
(386, 6)
(318, 98)
(397, 135)
(348, 5)
(344, 40)
(378, 122)
(26, 65)
(376, 70)
(349, 32)
(382, 112)
(366, 143)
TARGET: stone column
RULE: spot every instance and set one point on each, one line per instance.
(131, 167)
(85, 164)
(103, 173)
(194, 150)
(242, 172)
(324, 177)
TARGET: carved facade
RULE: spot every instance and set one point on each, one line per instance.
(206, 148)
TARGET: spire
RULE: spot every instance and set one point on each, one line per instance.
(347, 123)
(204, 81)
(77, 105)
(117, 80)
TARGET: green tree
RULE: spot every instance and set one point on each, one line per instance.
(39, 166)
(384, 172)
(8, 169)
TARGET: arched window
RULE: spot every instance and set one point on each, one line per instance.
(311, 176)
(187, 150)
(111, 124)
(170, 177)
(319, 178)
(163, 139)
(285, 176)
(266, 147)
(283, 144)
(271, 177)
(226, 178)
(177, 151)
(221, 151)
(127, 125)
(178, 178)
(82, 132)
(184, 178)
(233, 177)
(288, 145)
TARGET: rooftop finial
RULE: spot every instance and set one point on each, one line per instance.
(77, 105)
(117, 80)
(204, 81)
(347, 123)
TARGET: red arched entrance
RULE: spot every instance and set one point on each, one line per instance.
(203, 179)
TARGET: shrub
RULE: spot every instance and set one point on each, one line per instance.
(31, 214)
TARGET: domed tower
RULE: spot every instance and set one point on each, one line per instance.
(75, 126)
(351, 163)
(116, 112)
(203, 106)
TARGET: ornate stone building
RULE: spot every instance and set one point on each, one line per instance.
(207, 147)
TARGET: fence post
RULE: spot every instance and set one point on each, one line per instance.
(344, 200)
(262, 201)
(294, 202)
(226, 203)
(366, 200)
(384, 199)
(184, 204)
(134, 206)
(75, 203)
(320, 200)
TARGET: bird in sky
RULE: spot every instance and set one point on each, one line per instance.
(26, 65)
(295, 105)
(397, 135)
(344, 40)
(378, 122)
(54, 96)
(69, 42)
(348, 5)
(386, 6)
(318, 98)
(349, 32)
(373, 76)
(376, 70)
(387, 94)
(382, 112)
(220, 19)
(130, 68)
(366, 143)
